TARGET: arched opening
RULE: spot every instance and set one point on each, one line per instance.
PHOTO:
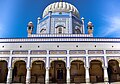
(96, 71)
(38, 72)
(19, 72)
(3, 71)
(57, 72)
(113, 71)
(77, 72)
(60, 29)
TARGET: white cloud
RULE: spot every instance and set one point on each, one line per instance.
(112, 25)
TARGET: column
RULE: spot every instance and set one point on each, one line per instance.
(9, 75)
(47, 71)
(87, 70)
(70, 22)
(83, 25)
(47, 76)
(49, 22)
(105, 70)
(105, 74)
(68, 69)
(28, 75)
(87, 75)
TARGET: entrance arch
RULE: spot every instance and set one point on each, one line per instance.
(19, 72)
(57, 72)
(113, 71)
(3, 71)
(38, 72)
(96, 71)
(77, 72)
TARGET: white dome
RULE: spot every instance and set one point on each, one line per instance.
(61, 7)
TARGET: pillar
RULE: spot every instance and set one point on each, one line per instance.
(68, 69)
(47, 71)
(83, 26)
(9, 75)
(105, 70)
(47, 76)
(49, 22)
(105, 74)
(87, 70)
(28, 75)
(70, 22)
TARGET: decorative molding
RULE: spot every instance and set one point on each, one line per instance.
(20, 52)
(77, 52)
(38, 52)
(101, 59)
(114, 58)
(57, 59)
(57, 52)
(4, 59)
(77, 58)
(37, 59)
(15, 59)
(95, 52)
(4, 52)
(112, 51)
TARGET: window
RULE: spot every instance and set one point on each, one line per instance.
(77, 30)
(60, 29)
(43, 31)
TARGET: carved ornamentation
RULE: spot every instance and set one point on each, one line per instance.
(37, 59)
(114, 58)
(112, 51)
(4, 59)
(58, 52)
(4, 52)
(15, 59)
(20, 52)
(77, 58)
(77, 52)
(95, 52)
(101, 59)
(38, 52)
(57, 59)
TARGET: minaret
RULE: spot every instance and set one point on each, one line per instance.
(83, 26)
(38, 24)
(90, 28)
(30, 28)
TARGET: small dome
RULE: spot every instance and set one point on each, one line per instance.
(61, 7)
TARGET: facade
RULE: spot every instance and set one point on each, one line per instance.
(60, 51)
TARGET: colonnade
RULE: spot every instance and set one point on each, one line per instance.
(47, 69)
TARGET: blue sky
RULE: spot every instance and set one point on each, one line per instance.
(15, 14)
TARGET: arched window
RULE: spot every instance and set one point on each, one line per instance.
(60, 29)
(77, 30)
(42, 31)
